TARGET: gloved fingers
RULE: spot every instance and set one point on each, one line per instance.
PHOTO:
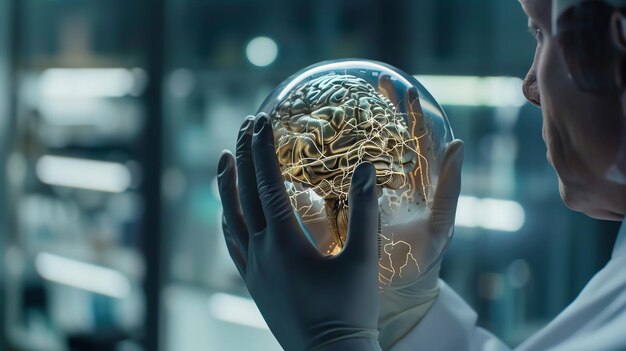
(233, 250)
(233, 214)
(385, 86)
(362, 242)
(448, 186)
(270, 184)
(248, 194)
(271, 187)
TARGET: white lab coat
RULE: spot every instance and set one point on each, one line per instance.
(596, 320)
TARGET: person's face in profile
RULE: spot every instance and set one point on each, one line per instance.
(581, 131)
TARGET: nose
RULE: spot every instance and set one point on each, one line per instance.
(530, 88)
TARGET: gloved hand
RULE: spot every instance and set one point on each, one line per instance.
(309, 301)
(402, 308)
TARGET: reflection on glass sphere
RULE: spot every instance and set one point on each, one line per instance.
(332, 116)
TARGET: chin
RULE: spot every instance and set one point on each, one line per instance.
(578, 199)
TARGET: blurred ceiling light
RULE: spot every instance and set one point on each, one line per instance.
(82, 275)
(84, 174)
(491, 214)
(235, 309)
(504, 215)
(475, 91)
(262, 51)
(87, 82)
(465, 215)
(101, 114)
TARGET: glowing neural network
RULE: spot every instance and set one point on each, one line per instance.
(323, 131)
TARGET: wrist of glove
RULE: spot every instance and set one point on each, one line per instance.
(402, 309)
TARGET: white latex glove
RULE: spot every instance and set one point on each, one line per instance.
(402, 308)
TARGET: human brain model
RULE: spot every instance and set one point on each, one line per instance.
(327, 127)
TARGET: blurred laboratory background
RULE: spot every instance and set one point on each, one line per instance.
(113, 114)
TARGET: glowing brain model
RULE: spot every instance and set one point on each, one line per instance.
(330, 125)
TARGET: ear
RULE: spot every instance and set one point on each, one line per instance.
(618, 37)
(618, 29)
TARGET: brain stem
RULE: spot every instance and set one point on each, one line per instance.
(337, 214)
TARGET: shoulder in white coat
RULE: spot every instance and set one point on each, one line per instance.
(596, 320)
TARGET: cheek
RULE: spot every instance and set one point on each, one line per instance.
(552, 83)
(588, 125)
(582, 131)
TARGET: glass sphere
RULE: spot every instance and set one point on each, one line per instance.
(332, 116)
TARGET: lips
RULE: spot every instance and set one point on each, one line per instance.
(546, 141)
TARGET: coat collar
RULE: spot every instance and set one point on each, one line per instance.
(620, 243)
